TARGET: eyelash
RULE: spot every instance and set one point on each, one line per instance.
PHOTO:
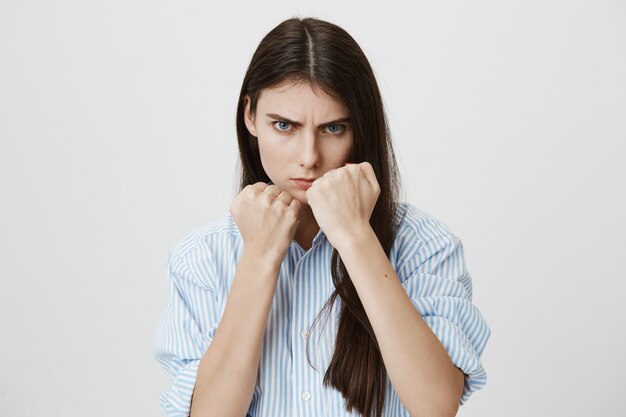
(343, 127)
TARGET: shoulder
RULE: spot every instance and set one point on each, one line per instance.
(419, 235)
(418, 226)
(425, 243)
(206, 253)
(219, 234)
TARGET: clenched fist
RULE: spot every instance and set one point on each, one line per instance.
(343, 199)
(267, 218)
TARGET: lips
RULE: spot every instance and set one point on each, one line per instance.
(304, 184)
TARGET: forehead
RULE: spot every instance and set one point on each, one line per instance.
(298, 99)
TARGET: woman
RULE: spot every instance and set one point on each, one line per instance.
(317, 228)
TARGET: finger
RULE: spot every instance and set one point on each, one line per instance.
(272, 190)
(352, 168)
(368, 172)
(295, 206)
(285, 197)
(329, 173)
(258, 186)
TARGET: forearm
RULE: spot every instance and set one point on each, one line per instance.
(419, 367)
(227, 372)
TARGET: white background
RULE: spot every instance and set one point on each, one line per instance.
(117, 128)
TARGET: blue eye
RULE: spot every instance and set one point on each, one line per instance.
(280, 122)
(335, 132)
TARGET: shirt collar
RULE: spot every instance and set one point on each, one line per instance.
(319, 236)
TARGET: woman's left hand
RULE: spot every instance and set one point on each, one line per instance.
(343, 199)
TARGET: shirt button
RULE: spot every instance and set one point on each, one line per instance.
(306, 396)
(304, 334)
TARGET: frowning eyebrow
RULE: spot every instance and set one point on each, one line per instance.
(284, 119)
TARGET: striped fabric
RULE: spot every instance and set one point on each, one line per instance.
(427, 257)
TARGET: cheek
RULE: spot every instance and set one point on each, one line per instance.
(342, 151)
(271, 155)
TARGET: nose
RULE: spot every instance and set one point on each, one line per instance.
(309, 153)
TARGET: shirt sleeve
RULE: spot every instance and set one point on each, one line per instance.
(439, 285)
(185, 331)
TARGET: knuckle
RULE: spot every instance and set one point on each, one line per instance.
(292, 213)
(265, 200)
(285, 197)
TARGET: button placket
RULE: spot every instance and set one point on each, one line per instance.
(299, 346)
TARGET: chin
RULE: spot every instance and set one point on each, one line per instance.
(302, 199)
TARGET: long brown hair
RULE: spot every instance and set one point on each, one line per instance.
(326, 56)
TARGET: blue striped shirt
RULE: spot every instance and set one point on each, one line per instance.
(427, 257)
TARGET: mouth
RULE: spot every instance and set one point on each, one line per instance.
(303, 183)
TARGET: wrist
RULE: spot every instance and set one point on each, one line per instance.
(354, 237)
(264, 260)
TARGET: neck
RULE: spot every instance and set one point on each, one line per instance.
(308, 227)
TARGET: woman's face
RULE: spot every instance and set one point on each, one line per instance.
(301, 133)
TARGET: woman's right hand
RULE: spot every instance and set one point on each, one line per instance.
(267, 218)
